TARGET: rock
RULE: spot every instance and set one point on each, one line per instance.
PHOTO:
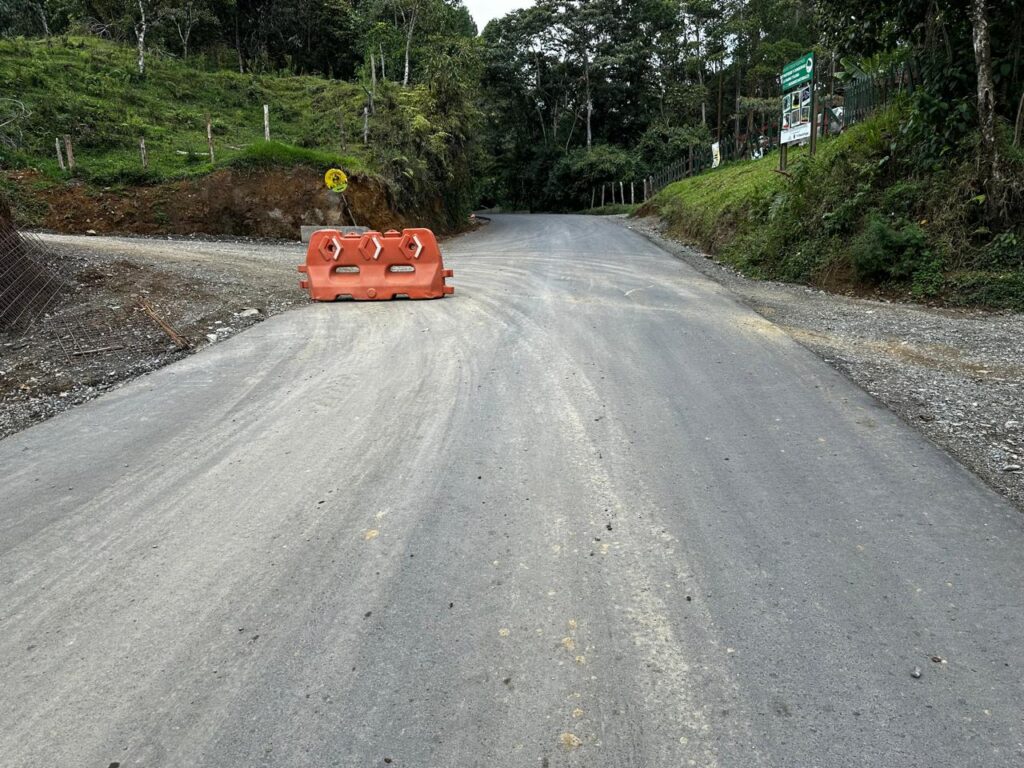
(1012, 468)
(90, 231)
(211, 337)
(916, 673)
(1012, 424)
(251, 312)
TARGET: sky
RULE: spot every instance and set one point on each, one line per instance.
(485, 10)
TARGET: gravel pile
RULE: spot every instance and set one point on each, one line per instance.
(956, 375)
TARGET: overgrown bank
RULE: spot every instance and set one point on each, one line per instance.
(858, 217)
(417, 148)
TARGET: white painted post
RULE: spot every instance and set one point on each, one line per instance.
(266, 122)
(622, 193)
(632, 193)
(60, 155)
(366, 125)
(602, 194)
(70, 152)
(142, 152)
(209, 136)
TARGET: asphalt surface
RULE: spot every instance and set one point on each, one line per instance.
(590, 511)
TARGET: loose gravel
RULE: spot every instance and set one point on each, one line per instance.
(956, 375)
(99, 335)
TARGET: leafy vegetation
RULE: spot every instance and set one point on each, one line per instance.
(416, 134)
(853, 218)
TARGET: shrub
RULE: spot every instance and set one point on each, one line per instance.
(885, 251)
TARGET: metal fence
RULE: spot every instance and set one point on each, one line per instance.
(852, 102)
(31, 279)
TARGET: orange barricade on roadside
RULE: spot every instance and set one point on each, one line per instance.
(374, 266)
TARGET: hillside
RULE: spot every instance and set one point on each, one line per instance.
(854, 218)
(90, 90)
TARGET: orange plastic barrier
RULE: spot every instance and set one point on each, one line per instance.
(374, 266)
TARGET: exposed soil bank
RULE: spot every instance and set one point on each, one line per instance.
(270, 203)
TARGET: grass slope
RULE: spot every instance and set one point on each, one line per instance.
(852, 219)
(90, 89)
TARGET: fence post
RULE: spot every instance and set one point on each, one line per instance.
(142, 152)
(60, 155)
(209, 137)
(266, 122)
(622, 193)
(602, 194)
(593, 196)
(366, 125)
(341, 132)
(70, 152)
(632, 193)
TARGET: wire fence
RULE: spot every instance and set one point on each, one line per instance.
(851, 102)
(31, 279)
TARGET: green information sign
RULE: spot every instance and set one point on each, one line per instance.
(798, 72)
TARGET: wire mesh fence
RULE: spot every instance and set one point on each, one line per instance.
(31, 279)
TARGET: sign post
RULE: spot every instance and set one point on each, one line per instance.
(799, 106)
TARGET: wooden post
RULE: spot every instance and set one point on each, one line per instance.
(70, 152)
(593, 196)
(266, 122)
(366, 125)
(142, 152)
(60, 155)
(341, 132)
(209, 137)
(602, 194)
(632, 193)
(622, 193)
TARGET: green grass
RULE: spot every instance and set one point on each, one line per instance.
(90, 89)
(853, 218)
(616, 209)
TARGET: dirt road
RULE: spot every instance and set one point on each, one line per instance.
(591, 511)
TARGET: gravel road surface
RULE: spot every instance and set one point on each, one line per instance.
(590, 511)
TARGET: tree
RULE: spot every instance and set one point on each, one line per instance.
(988, 154)
(186, 17)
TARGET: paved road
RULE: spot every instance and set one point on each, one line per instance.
(589, 512)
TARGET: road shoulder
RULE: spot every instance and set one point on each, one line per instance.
(955, 375)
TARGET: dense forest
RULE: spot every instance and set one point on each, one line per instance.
(548, 101)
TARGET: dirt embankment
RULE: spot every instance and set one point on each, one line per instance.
(246, 203)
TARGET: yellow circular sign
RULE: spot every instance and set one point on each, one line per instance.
(336, 180)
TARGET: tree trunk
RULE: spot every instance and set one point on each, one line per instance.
(140, 34)
(408, 45)
(1018, 132)
(721, 85)
(590, 133)
(42, 15)
(700, 79)
(988, 155)
(238, 45)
